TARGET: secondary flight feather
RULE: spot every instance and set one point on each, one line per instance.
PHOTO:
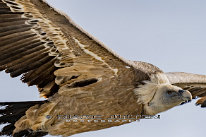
(78, 75)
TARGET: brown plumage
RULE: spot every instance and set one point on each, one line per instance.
(195, 83)
(75, 73)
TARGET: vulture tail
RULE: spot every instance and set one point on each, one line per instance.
(10, 112)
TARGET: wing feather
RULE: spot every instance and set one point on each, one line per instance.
(195, 83)
(36, 41)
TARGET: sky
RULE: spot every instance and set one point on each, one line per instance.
(168, 34)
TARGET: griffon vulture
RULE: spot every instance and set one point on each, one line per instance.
(78, 75)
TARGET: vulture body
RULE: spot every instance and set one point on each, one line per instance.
(78, 76)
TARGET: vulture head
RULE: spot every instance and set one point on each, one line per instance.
(159, 95)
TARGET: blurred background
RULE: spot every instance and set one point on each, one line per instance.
(168, 34)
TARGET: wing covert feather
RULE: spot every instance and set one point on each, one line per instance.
(36, 41)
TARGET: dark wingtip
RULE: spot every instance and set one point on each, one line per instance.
(10, 112)
(203, 105)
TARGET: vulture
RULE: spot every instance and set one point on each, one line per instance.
(82, 80)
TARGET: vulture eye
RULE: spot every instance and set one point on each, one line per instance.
(169, 92)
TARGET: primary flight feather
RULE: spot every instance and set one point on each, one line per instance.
(78, 75)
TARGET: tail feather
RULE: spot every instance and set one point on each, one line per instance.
(12, 112)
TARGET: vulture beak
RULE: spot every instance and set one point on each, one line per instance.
(186, 95)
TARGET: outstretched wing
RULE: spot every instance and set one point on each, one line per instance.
(195, 83)
(49, 50)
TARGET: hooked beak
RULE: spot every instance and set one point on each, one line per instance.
(186, 95)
